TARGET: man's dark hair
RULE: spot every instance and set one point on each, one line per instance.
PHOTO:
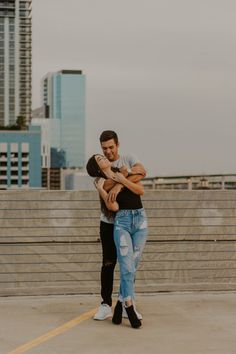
(108, 135)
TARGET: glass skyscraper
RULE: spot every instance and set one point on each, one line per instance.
(15, 60)
(64, 99)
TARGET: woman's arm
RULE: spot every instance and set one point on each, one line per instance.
(113, 206)
(136, 188)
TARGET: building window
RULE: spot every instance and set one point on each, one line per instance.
(23, 13)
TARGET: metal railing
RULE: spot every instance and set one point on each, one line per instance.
(191, 182)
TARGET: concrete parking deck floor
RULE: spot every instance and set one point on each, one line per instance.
(174, 323)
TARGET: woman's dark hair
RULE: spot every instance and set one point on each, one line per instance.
(93, 169)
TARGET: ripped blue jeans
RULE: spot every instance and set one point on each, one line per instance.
(130, 234)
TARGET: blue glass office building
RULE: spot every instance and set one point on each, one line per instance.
(20, 159)
(64, 99)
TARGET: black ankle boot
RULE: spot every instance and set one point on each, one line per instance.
(134, 321)
(117, 316)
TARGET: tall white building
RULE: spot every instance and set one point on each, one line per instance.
(15, 60)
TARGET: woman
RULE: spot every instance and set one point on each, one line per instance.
(130, 230)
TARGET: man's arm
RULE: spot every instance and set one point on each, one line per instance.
(136, 188)
(110, 183)
(138, 169)
(135, 175)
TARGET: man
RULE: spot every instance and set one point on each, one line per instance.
(132, 168)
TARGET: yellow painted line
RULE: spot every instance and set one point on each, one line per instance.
(53, 333)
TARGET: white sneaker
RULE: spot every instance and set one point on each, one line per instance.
(104, 311)
(124, 313)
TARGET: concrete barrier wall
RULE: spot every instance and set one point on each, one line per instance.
(49, 242)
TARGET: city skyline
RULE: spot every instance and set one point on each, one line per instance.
(159, 73)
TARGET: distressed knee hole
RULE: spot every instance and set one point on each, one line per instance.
(136, 252)
(143, 225)
(109, 264)
(123, 246)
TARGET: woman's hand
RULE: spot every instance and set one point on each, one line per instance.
(119, 177)
(99, 182)
(112, 194)
(124, 170)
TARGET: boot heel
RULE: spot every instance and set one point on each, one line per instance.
(134, 321)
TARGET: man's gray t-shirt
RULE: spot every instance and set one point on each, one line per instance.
(128, 160)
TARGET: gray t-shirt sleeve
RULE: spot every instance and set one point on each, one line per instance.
(128, 160)
(132, 159)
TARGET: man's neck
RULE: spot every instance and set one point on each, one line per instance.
(117, 158)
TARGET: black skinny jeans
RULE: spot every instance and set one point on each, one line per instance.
(109, 258)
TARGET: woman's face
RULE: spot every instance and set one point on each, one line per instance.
(102, 162)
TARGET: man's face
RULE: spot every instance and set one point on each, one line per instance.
(110, 149)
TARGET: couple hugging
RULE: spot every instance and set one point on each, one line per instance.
(123, 225)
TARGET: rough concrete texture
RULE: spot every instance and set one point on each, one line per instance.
(186, 323)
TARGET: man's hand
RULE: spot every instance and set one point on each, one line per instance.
(139, 170)
(114, 192)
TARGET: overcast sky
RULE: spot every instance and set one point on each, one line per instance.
(161, 73)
